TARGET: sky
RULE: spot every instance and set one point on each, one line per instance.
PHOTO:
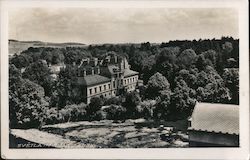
(123, 25)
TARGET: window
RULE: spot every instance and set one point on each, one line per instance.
(133, 79)
(125, 81)
(113, 84)
(104, 87)
(109, 86)
(90, 91)
(100, 88)
(121, 82)
(95, 90)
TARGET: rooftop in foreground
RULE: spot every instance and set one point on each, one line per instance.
(215, 117)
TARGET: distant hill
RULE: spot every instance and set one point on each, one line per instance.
(16, 47)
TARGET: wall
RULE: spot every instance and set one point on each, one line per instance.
(130, 83)
(105, 93)
(210, 139)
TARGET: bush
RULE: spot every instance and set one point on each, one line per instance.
(146, 109)
(113, 100)
(92, 109)
(132, 100)
(161, 110)
(74, 112)
(26, 103)
(115, 112)
(53, 116)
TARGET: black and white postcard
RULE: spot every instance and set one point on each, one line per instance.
(124, 79)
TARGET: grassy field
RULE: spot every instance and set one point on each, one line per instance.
(108, 134)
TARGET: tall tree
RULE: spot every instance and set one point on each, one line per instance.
(231, 79)
(186, 58)
(26, 102)
(39, 73)
(156, 84)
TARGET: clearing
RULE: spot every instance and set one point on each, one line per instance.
(104, 134)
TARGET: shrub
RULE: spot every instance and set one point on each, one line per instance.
(145, 109)
(131, 101)
(92, 109)
(27, 104)
(115, 112)
(74, 112)
(51, 116)
(161, 110)
(114, 100)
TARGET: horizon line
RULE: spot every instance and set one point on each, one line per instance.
(167, 41)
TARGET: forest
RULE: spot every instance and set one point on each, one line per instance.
(175, 74)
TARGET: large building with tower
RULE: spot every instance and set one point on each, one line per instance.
(105, 77)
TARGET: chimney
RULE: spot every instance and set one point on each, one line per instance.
(95, 61)
(88, 60)
(93, 71)
(98, 70)
(84, 73)
(115, 58)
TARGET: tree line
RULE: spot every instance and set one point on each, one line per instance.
(175, 74)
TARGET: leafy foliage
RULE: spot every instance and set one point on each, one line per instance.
(176, 74)
(131, 101)
(156, 84)
(39, 73)
(146, 109)
(115, 112)
(27, 102)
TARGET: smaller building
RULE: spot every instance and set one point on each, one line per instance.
(214, 125)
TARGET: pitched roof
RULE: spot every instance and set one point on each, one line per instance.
(128, 72)
(112, 69)
(214, 117)
(91, 80)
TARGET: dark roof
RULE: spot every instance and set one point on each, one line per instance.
(129, 72)
(91, 80)
(214, 117)
(112, 69)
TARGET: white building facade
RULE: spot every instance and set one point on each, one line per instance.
(106, 78)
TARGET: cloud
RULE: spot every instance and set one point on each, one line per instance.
(107, 25)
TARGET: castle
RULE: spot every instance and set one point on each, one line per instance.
(105, 77)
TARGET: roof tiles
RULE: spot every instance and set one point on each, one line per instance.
(214, 117)
(91, 80)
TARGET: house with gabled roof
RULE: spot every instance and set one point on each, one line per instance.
(214, 125)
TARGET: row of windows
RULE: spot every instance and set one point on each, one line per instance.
(107, 94)
(130, 80)
(105, 87)
(101, 88)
